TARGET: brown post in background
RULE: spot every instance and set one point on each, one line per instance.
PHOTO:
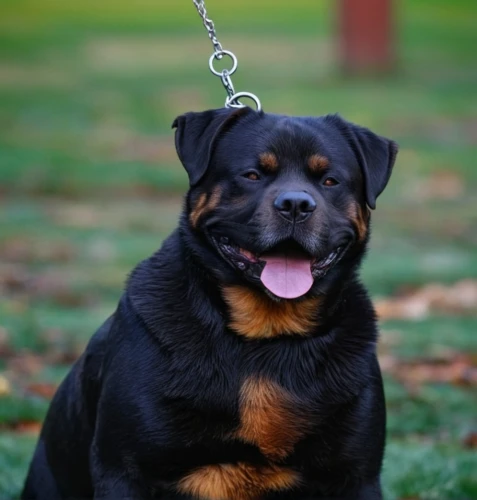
(366, 36)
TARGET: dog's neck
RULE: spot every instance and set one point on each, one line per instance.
(251, 313)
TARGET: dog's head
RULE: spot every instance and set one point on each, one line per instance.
(277, 202)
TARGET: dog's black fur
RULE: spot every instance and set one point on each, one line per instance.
(158, 395)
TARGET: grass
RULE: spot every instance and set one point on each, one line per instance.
(90, 185)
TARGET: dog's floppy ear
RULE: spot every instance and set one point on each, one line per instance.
(376, 156)
(196, 135)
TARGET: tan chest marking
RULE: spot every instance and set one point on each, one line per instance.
(236, 481)
(254, 315)
(269, 418)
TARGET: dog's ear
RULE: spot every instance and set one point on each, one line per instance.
(196, 136)
(376, 156)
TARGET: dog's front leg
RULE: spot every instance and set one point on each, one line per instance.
(111, 482)
(368, 491)
(116, 486)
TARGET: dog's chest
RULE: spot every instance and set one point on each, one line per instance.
(273, 420)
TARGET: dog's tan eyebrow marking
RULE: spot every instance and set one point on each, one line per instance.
(269, 162)
(318, 163)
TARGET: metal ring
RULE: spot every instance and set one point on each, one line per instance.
(233, 101)
(217, 55)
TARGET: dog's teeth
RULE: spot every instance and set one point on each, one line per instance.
(241, 265)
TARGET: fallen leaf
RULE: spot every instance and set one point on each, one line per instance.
(455, 368)
(442, 185)
(26, 364)
(5, 387)
(4, 337)
(27, 426)
(44, 390)
(459, 298)
(23, 249)
(51, 285)
(56, 286)
(470, 441)
(13, 278)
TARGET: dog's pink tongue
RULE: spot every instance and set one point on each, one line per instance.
(287, 277)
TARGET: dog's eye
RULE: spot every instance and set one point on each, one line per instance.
(252, 175)
(330, 181)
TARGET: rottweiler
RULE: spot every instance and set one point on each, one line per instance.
(240, 363)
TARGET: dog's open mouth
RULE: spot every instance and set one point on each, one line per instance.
(287, 271)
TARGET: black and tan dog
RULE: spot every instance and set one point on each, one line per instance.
(240, 363)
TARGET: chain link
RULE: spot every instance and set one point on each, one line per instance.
(209, 26)
(227, 83)
(232, 98)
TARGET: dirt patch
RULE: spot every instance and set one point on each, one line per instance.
(116, 214)
(155, 53)
(14, 75)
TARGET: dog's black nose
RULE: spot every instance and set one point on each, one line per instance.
(295, 206)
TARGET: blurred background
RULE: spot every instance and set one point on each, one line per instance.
(90, 184)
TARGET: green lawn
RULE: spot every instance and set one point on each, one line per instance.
(90, 184)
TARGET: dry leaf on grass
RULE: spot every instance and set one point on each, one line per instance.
(26, 364)
(457, 369)
(43, 389)
(23, 249)
(26, 426)
(13, 278)
(56, 286)
(442, 185)
(52, 285)
(5, 388)
(457, 299)
(4, 337)
(470, 441)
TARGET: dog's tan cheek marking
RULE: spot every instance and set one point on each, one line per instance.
(318, 164)
(359, 218)
(236, 481)
(269, 162)
(269, 418)
(196, 211)
(254, 315)
(214, 199)
(204, 205)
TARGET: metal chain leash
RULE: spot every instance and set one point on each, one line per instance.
(232, 100)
